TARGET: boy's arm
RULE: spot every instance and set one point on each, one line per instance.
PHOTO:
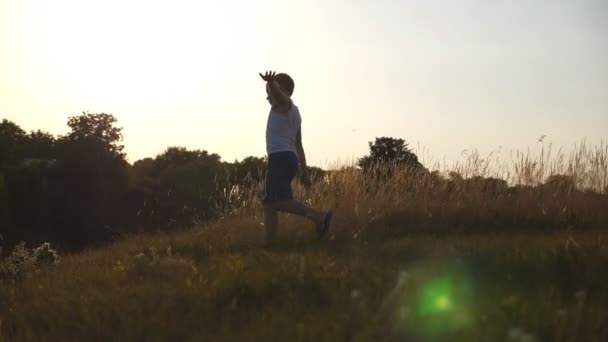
(302, 158)
(274, 88)
(277, 94)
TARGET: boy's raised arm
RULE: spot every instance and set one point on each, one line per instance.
(274, 88)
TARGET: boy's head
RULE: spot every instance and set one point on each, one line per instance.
(286, 84)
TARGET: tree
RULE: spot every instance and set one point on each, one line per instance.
(4, 212)
(39, 145)
(250, 169)
(98, 127)
(11, 141)
(178, 188)
(89, 181)
(176, 155)
(389, 151)
(23, 205)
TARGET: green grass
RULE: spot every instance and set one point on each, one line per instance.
(216, 283)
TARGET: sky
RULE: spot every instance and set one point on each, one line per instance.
(446, 76)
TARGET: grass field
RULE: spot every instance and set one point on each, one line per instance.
(411, 258)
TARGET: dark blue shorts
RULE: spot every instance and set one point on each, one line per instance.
(281, 169)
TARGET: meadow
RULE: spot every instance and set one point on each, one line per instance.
(484, 250)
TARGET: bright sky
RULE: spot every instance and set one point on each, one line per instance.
(444, 75)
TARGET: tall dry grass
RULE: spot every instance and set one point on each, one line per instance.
(547, 190)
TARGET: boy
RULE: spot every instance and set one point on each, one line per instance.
(285, 152)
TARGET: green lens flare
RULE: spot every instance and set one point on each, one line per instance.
(436, 297)
(438, 300)
(443, 303)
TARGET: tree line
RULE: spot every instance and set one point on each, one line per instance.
(78, 190)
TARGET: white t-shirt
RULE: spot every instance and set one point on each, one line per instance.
(281, 130)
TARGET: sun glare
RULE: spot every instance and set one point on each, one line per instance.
(128, 53)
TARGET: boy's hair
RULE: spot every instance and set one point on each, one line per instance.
(285, 82)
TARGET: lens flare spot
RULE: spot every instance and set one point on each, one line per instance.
(436, 297)
(443, 303)
(440, 299)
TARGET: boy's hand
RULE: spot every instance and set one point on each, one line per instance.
(274, 88)
(268, 76)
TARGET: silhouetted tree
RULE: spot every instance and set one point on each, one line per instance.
(386, 151)
(39, 145)
(11, 142)
(4, 211)
(29, 201)
(178, 188)
(89, 180)
(99, 128)
(22, 198)
(249, 170)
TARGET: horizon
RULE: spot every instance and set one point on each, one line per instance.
(472, 75)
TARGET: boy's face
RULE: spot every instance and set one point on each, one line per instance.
(269, 96)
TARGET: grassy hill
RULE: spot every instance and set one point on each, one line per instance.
(408, 259)
(215, 283)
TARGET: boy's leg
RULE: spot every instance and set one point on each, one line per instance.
(271, 223)
(299, 208)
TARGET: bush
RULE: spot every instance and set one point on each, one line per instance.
(23, 261)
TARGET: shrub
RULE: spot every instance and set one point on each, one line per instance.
(23, 261)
